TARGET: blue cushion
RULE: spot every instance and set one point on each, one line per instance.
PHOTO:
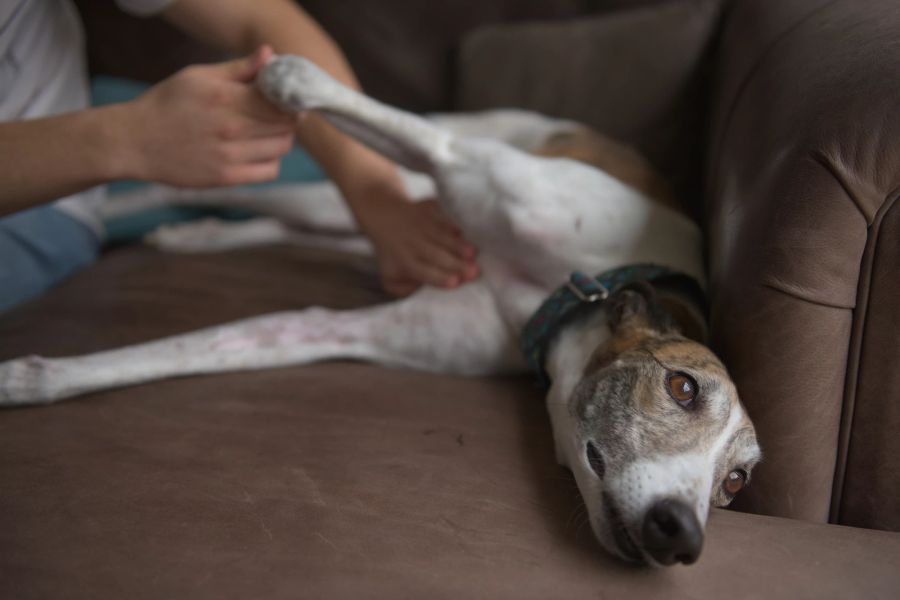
(39, 248)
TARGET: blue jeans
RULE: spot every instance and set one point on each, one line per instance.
(39, 248)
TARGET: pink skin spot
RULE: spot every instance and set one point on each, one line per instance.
(234, 344)
(285, 334)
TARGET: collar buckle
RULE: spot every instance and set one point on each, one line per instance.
(587, 289)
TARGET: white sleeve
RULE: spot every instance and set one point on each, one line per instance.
(143, 8)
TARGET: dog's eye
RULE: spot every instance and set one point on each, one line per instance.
(735, 482)
(682, 388)
(595, 460)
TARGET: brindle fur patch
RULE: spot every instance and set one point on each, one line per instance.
(617, 159)
(624, 404)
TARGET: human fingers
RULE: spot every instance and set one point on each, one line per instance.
(244, 69)
(249, 102)
(430, 274)
(446, 233)
(262, 149)
(448, 262)
(471, 272)
(461, 261)
(451, 241)
(233, 129)
(432, 208)
(249, 173)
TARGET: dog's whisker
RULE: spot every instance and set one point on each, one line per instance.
(580, 527)
(577, 512)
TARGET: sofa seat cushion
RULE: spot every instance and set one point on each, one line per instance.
(332, 480)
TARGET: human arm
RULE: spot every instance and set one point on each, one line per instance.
(202, 127)
(415, 242)
(44, 159)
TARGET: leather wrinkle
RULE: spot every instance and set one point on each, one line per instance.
(830, 164)
(778, 285)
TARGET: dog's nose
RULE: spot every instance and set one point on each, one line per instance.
(672, 532)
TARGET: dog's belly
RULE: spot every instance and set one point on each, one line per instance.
(537, 220)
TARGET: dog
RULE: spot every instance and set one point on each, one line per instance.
(643, 413)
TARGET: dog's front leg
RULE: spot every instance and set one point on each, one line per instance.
(274, 340)
(267, 341)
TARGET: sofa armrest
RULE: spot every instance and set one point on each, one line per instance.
(803, 171)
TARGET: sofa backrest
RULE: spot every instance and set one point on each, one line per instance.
(402, 50)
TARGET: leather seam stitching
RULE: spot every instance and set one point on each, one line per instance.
(851, 386)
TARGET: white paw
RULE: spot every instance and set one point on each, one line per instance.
(24, 381)
(198, 237)
(294, 83)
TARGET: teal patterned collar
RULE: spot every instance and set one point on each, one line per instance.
(579, 293)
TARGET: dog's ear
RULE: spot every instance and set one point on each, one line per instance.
(637, 306)
(687, 318)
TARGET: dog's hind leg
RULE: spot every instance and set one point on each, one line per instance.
(448, 332)
(316, 206)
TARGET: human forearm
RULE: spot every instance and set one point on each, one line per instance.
(365, 178)
(414, 242)
(239, 26)
(48, 158)
(202, 127)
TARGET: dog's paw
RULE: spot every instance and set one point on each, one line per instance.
(24, 381)
(199, 237)
(294, 83)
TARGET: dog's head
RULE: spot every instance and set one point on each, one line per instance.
(661, 433)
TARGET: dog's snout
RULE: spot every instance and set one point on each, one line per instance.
(672, 533)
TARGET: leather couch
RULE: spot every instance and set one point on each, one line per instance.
(349, 480)
(802, 173)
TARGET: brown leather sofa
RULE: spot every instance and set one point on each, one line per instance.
(802, 173)
(349, 480)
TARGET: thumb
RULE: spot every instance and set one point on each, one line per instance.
(244, 70)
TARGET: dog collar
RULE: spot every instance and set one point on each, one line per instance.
(579, 293)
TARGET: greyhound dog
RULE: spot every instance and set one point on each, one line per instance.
(645, 417)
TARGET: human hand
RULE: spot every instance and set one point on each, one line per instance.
(415, 244)
(208, 126)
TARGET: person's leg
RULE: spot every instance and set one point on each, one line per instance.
(40, 248)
